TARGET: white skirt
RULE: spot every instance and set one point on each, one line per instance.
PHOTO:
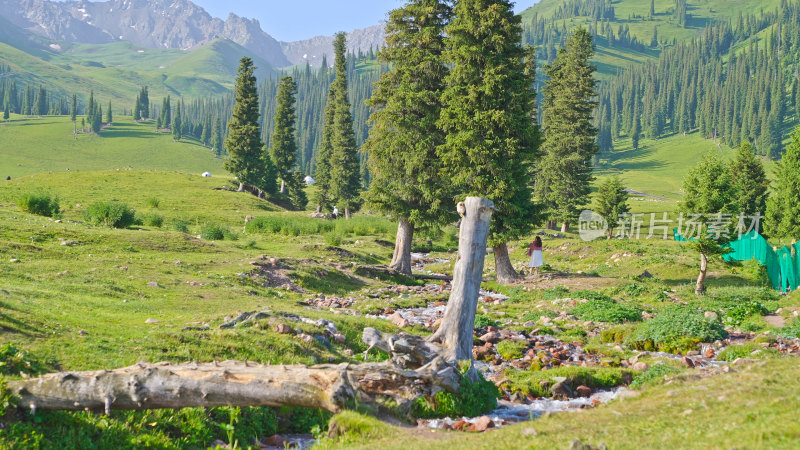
(536, 259)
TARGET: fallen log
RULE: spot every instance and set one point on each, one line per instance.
(332, 387)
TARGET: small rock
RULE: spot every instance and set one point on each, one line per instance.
(641, 366)
(276, 440)
(709, 353)
(461, 425)
(692, 353)
(151, 321)
(347, 352)
(711, 315)
(82, 333)
(399, 320)
(13, 260)
(282, 328)
(490, 337)
(646, 315)
(560, 391)
(529, 432)
(153, 284)
(339, 338)
(583, 391)
(483, 424)
(687, 362)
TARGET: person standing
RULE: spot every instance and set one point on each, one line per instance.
(335, 212)
(535, 252)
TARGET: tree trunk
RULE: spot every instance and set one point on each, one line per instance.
(417, 369)
(401, 260)
(319, 209)
(502, 265)
(347, 213)
(455, 332)
(700, 288)
(565, 227)
(241, 187)
(550, 225)
(283, 187)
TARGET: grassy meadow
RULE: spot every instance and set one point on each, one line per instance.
(80, 296)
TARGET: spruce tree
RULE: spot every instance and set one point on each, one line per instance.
(205, 136)
(6, 113)
(73, 109)
(783, 208)
(245, 148)
(709, 191)
(283, 148)
(488, 118)
(144, 101)
(41, 102)
(750, 181)
(345, 174)
(570, 139)
(217, 137)
(403, 137)
(137, 109)
(177, 124)
(109, 115)
(611, 202)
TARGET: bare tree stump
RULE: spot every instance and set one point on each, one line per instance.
(455, 332)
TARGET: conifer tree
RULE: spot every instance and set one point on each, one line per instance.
(636, 128)
(345, 174)
(73, 113)
(783, 208)
(283, 148)
(750, 181)
(322, 173)
(41, 102)
(488, 118)
(245, 148)
(709, 191)
(570, 139)
(611, 202)
(7, 102)
(137, 109)
(404, 137)
(109, 114)
(144, 102)
(6, 113)
(217, 137)
(177, 124)
(205, 136)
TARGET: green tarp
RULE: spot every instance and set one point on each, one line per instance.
(782, 266)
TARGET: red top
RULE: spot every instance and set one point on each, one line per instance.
(532, 248)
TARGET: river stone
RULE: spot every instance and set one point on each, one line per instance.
(711, 315)
(483, 424)
(560, 391)
(640, 366)
(583, 391)
(151, 321)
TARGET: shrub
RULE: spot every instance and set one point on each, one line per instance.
(7, 400)
(472, 399)
(333, 239)
(153, 220)
(536, 315)
(110, 214)
(512, 349)
(606, 309)
(739, 313)
(41, 204)
(482, 321)
(180, 225)
(153, 202)
(213, 232)
(676, 329)
(14, 361)
(616, 335)
(653, 375)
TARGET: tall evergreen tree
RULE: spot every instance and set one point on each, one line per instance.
(41, 102)
(144, 101)
(488, 118)
(217, 137)
(205, 136)
(246, 158)
(345, 174)
(137, 109)
(750, 181)
(6, 112)
(783, 208)
(109, 114)
(73, 113)
(570, 139)
(404, 137)
(177, 124)
(283, 148)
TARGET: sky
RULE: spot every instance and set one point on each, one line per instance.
(295, 20)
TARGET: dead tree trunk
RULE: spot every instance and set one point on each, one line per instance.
(401, 260)
(283, 186)
(700, 287)
(502, 265)
(241, 187)
(455, 333)
(564, 227)
(416, 369)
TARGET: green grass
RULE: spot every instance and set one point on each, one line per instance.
(35, 145)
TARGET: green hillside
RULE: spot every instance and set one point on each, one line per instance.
(34, 145)
(633, 14)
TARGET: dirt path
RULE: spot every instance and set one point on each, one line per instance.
(567, 280)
